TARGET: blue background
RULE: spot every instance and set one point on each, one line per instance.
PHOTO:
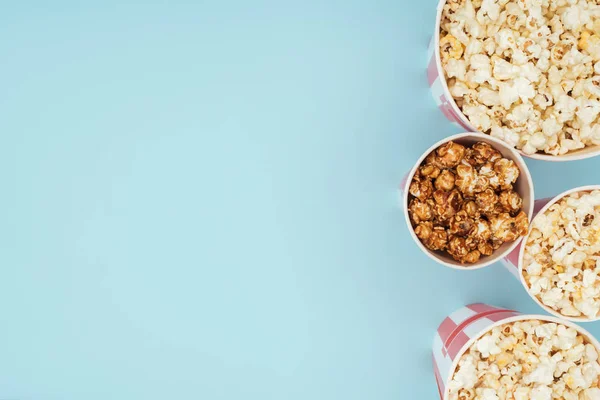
(199, 201)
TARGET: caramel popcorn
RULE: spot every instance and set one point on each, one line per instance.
(525, 71)
(463, 201)
(528, 359)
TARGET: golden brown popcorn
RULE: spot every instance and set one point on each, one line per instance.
(471, 209)
(429, 171)
(421, 188)
(433, 160)
(504, 228)
(511, 201)
(482, 231)
(434, 238)
(486, 201)
(445, 181)
(424, 230)
(466, 394)
(485, 249)
(472, 257)
(482, 153)
(421, 211)
(461, 224)
(507, 171)
(450, 47)
(457, 248)
(487, 170)
(482, 183)
(450, 154)
(446, 204)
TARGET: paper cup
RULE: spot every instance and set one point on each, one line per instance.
(461, 329)
(447, 105)
(523, 186)
(519, 253)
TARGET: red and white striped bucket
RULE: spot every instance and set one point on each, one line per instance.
(462, 328)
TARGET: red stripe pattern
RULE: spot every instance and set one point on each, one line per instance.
(452, 336)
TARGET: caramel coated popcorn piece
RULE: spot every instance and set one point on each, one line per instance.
(421, 211)
(511, 201)
(471, 209)
(504, 228)
(434, 238)
(507, 171)
(429, 171)
(421, 188)
(486, 201)
(461, 224)
(445, 181)
(446, 204)
(450, 154)
(466, 179)
(482, 153)
(457, 248)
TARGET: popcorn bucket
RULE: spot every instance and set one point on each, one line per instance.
(514, 261)
(461, 329)
(448, 107)
(523, 186)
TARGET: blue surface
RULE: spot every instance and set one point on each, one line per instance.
(199, 202)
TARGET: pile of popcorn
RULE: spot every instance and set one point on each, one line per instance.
(561, 256)
(528, 360)
(462, 201)
(526, 71)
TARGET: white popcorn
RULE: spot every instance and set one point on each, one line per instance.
(509, 95)
(505, 39)
(505, 134)
(465, 377)
(478, 117)
(564, 109)
(488, 394)
(574, 17)
(588, 110)
(589, 308)
(524, 89)
(543, 374)
(551, 126)
(552, 296)
(541, 393)
(591, 353)
(456, 69)
(554, 361)
(504, 70)
(537, 52)
(569, 237)
(488, 97)
(521, 393)
(487, 346)
(459, 89)
(530, 72)
(489, 10)
(591, 394)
